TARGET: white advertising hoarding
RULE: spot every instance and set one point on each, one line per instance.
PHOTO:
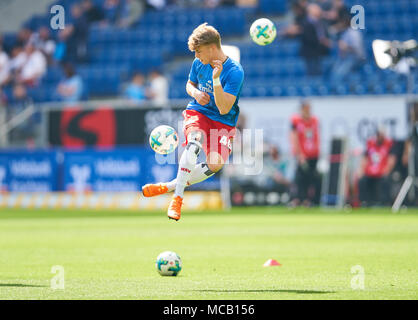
(353, 117)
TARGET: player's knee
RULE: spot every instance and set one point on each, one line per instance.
(194, 141)
(194, 146)
(215, 162)
(215, 167)
(196, 135)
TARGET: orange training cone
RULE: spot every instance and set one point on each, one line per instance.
(271, 263)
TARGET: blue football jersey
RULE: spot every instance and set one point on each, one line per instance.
(232, 78)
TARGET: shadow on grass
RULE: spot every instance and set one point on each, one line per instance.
(21, 285)
(268, 290)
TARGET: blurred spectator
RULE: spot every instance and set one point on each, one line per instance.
(296, 14)
(61, 46)
(135, 91)
(158, 89)
(17, 59)
(377, 163)
(187, 3)
(305, 143)
(43, 41)
(325, 5)
(212, 3)
(134, 9)
(275, 175)
(4, 66)
(70, 89)
(312, 32)
(23, 37)
(236, 3)
(115, 11)
(246, 3)
(204, 3)
(20, 98)
(299, 11)
(92, 12)
(156, 4)
(33, 67)
(73, 38)
(351, 54)
(314, 39)
(337, 15)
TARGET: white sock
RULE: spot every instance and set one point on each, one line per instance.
(200, 173)
(186, 165)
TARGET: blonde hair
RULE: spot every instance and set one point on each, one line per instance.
(204, 35)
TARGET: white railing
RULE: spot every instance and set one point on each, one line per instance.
(8, 125)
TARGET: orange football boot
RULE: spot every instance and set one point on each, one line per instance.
(174, 209)
(152, 190)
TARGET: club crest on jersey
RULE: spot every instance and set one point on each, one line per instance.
(207, 88)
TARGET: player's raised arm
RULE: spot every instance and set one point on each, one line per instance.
(223, 100)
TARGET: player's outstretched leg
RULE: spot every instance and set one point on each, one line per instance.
(200, 173)
(154, 189)
(186, 164)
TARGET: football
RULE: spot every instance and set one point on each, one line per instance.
(163, 139)
(263, 31)
(168, 264)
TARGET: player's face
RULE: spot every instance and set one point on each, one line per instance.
(306, 111)
(380, 137)
(204, 54)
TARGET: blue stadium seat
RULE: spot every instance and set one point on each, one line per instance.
(273, 6)
(395, 87)
(277, 91)
(53, 75)
(247, 91)
(340, 88)
(260, 91)
(177, 92)
(42, 93)
(377, 88)
(274, 70)
(37, 21)
(323, 90)
(368, 69)
(291, 90)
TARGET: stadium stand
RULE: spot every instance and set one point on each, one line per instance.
(159, 37)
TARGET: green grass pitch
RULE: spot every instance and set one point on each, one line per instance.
(111, 254)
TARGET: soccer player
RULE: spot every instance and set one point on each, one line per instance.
(215, 83)
(374, 174)
(305, 143)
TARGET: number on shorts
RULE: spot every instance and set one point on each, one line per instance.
(226, 142)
